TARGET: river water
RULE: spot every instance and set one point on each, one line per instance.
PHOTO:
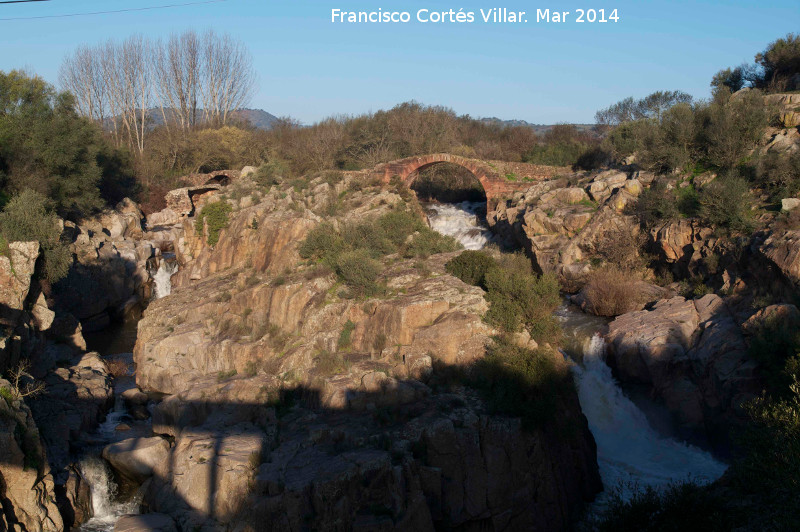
(630, 451)
(117, 341)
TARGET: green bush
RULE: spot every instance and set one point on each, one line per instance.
(395, 232)
(726, 204)
(272, 173)
(656, 204)
(47, 147)
(322, 241)
(679, 506)
(344, 336)
(359, 271)
(730, 128)
(774, 344)
(28, 217)
(428, 242)
(521, 300)
(523, 382)
(471, 267)
(216, 217)
(779, 174)
(368, 236)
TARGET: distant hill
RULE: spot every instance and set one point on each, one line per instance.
(258, 118)
(540, 129)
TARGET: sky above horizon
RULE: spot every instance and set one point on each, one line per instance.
(310, 68)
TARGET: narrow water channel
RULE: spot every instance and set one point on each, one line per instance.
(630, 450)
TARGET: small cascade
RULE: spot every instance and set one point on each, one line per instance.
(461, 221)
(106, 507)
(104, 490)
(162, 278)
(629, 452)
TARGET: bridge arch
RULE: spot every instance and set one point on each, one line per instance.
(407, 169)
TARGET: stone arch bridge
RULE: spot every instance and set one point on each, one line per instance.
(499, 179)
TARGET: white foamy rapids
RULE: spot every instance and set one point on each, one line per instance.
(162, 280)
(629, 451)
(106, 511)
(461, 221)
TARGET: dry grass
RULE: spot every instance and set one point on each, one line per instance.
(118, 367)
(610, 293)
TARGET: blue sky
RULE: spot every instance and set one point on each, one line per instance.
(310, 68)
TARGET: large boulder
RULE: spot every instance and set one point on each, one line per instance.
(693, 354)
(28, 491)
(145, 523)
(136, 458)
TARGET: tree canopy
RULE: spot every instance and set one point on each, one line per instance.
(45, 146)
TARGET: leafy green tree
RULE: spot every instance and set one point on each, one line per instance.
(28, 216)
(780, 61)
(47, 147)
(732, 127)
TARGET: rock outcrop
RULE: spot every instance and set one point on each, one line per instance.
(290, 405)
(693, 354)
(109, 277)
(27, 490)
(563, 226)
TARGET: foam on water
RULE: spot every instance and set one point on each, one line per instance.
(461, 221)
(162, 280)
(629, 451)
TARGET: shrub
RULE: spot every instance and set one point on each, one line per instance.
(725, 203)
(471, 266)
(216, 217)
(344, 336)
(609, 293)
(322, 241)
(679, 506)
(368, 236)
(359, 271)
(272, 173)
(779, 174)
(530, 383)
(28, 217)
(47, 147)
(731, 128)
(773, 345)
(428, 242)
(518, 297)
(521, 300)
(328, 363)
(656, 204)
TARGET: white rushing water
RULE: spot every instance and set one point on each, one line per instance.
(105, 506)
(461, 221)
(630, 453)
(104, 491)
(162, 280)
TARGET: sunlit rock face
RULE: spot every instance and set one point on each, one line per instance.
(368, 439)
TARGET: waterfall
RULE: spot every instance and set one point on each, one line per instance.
(629, 452)
(94, 470)
(106, 510)
(461, 221)
(162, 280)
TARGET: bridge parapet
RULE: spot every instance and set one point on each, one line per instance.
(498, 178)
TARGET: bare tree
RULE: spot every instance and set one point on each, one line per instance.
(18, 377)
(82, 75)
(228, 76)
(178, 75)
